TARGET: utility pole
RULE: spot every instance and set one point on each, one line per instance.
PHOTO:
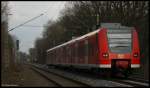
(97, 21)
(17, 44)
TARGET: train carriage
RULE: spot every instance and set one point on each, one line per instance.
(112, 46)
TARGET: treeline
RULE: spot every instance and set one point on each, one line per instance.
(81, 17)
(6, 40)
(8, 49)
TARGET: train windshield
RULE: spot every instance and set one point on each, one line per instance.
(119, 40)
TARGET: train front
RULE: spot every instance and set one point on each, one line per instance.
(119, 49)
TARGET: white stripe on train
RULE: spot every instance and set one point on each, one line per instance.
(96, 66)
(135, 65)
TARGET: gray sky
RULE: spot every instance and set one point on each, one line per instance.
(26, 10)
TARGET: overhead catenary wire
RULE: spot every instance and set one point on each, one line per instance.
(25, 22)
(31, 20)
(32, 26)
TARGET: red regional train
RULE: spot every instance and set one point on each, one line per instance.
(113, 47)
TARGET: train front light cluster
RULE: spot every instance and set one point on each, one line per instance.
(105, 55)
(135, 55)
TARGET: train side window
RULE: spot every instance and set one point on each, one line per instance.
(76, 52)
(56, 56)
(52, 55)
(60, 58)
(82, 52)
(79, 52)
(86, 48)
(68, 56)
(69, 48)
(90, 49)
(65, 56)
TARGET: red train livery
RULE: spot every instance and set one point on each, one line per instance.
(112, 46)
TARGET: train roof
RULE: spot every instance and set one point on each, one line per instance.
(113, 26)
(109, 26)
(73, 40)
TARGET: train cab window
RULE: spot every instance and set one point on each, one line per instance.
(119, 40)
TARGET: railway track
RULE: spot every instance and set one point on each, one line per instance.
(91, 80)
(138, 79)
(133, 83)
(57, 79)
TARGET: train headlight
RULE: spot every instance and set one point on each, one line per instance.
(135, 54)
(105, 55)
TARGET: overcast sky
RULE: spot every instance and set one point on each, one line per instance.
(23, 11)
